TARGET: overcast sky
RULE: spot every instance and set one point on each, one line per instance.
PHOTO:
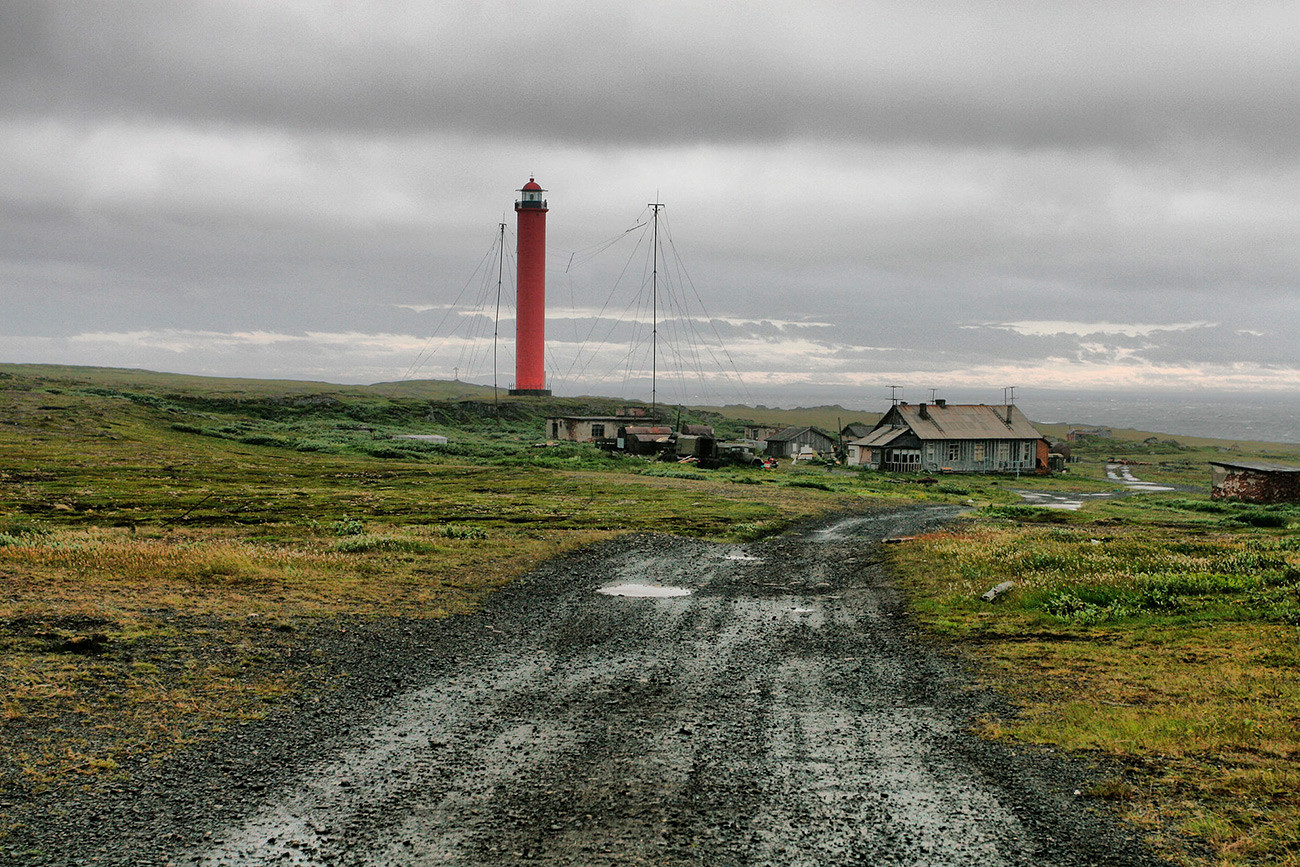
(951, 195)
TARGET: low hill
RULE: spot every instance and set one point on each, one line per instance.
(461, 402)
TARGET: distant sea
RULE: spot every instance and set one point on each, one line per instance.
(1249, 415)
(1267, 417)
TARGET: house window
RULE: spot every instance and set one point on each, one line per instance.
(597, 430)
(954, 451)
(555, 430)
(979, 453)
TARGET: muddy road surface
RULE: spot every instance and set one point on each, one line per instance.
(767, 704)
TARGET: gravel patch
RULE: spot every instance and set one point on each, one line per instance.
(785, 711)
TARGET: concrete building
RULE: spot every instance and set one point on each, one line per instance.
(589, 428)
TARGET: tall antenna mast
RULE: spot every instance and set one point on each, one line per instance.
(893, 393)
(654, 307)
(1009, 395)
(496, 321)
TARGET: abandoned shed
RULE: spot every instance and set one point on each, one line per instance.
(760, 433)
(855, 430)
(590, 428)
(790, 441)
(645, 439)
(1254, 482)
(939, 438)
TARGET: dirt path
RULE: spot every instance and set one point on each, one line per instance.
(1073, 501)
(782, 713)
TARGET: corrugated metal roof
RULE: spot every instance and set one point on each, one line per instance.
(881, 436)
(790, 433)
(964, 422)
(1260, 466)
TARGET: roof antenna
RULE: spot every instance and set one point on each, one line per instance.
(893, 394)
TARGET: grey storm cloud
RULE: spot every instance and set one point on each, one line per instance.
(1009, 74)
(862, 192)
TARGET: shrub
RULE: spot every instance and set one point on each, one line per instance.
(1260, 519)
(20, 528)
(809, 483)
(671, 471)
(462, 531)
(363, 544)
(345, 526)
(265, 440)
(314, 445)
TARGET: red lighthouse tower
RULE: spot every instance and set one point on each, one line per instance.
(530, 306)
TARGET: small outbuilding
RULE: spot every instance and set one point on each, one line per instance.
(1254, 482)
(789, 442)
(590, 428)
(645, 439)
(761, 432)
(855, 430)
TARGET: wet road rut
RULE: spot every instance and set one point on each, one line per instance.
(784, 712)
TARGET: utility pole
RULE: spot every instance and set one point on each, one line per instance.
(654, 307)
(496, 320)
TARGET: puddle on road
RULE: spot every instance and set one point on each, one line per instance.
(646, 591)
(1073, 502)
(1122, 474)
(1069, 502)
(741, 556)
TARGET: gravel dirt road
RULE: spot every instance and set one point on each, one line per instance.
(785, 712)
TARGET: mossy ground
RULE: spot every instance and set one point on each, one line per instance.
(166, 542)
(1159, 631)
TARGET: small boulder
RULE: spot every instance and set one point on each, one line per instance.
(994, 592)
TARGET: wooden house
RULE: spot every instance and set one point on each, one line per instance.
(855, 430)
(788, 442)
(943, 438)
(760, 432)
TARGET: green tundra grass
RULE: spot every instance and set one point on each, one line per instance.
(166, 543)
(1159, 633)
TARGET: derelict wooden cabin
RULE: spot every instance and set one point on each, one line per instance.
(962, 438)
(790, 441)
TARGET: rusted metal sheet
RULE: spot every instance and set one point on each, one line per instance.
(1254, 482)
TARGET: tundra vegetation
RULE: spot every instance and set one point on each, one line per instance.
(1157, 632)
(168, 543)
